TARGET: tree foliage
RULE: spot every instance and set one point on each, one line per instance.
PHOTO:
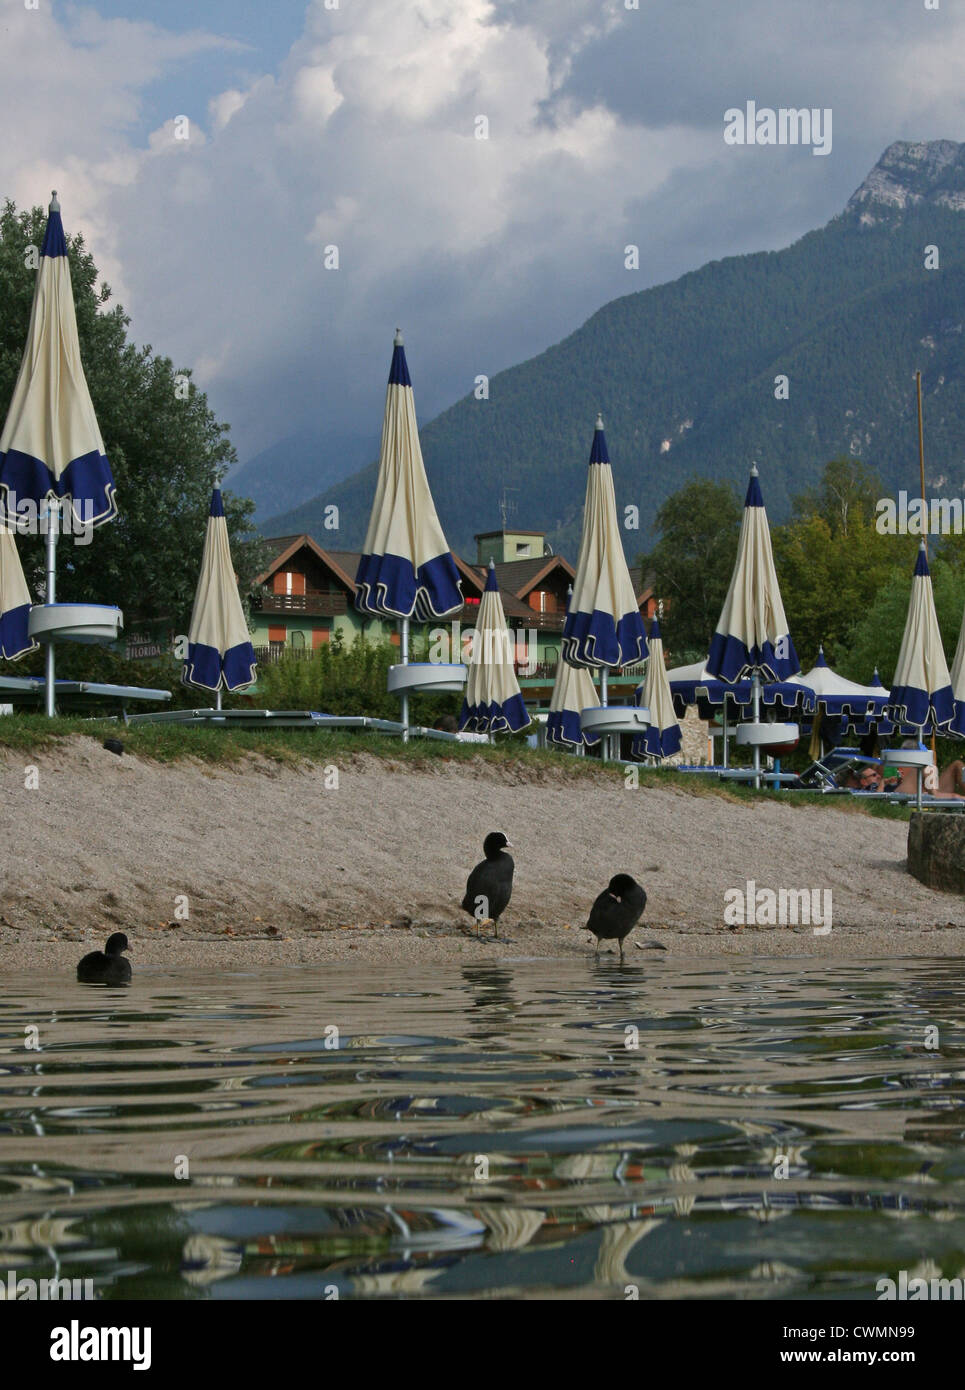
(832, 562)
(876, 639)
(348, 678)
(692, 562)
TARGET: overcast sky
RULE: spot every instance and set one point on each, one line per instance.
(354, 126)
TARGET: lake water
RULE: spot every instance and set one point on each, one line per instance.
(775, 1129)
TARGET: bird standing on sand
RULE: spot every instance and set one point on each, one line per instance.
(110, 968)
(490, 885)
(617, 910)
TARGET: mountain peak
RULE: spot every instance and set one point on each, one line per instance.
(911, 172)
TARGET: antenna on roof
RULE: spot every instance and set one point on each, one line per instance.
(507, 508)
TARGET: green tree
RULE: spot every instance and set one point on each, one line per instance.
(845, 497)
(877, 635)
(166, 449)
(832, 563)
(693, 560)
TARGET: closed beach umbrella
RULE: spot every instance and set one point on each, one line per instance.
(50, 445)
(573, 691)
(14, 601)
(603, 626)
(406, 567)
(921, 691)
(752, 636)
(957, 726)
(493, 701)
(51, 450)
(220, 654)
(662, 738)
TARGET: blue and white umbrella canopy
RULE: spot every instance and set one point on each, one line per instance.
(957, 726)
(573, 691)
(693, 685)
(921, 691)
(662, 739)
(603, 626)
(220, 654)
(752, 633)
(493, 702)
(50, 445)
(406, 569)
(14, 601)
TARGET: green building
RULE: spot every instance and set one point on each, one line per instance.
(307, 596)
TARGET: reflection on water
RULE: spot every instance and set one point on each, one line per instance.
(780, 1129)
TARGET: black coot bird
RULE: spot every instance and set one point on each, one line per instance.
(617, 910)
(98, 968)
(490, 885)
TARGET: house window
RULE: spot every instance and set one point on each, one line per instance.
(277, 635)
(522, 548)
(298, 639)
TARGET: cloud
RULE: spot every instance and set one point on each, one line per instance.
(604, 128)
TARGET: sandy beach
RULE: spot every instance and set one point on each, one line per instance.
(275, 868)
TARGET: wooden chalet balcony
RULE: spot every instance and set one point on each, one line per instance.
(540, 622)
(319, 605)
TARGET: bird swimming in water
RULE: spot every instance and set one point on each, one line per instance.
(110, 968)
(617, 910)
(490, 885)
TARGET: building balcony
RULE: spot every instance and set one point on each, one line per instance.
(312, 605)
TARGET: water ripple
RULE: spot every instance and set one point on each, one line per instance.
(719, 1129)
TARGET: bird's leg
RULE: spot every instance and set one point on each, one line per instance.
(597, 950)
(621, 950)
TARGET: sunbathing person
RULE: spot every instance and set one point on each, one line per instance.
(942, 784)
(863, 779)
(951, 780)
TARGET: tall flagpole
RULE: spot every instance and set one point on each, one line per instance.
(921, 474)
(921, 455)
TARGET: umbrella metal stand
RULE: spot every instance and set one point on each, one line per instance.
(53, 533)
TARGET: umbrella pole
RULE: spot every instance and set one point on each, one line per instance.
(607, 747)
(53, 532)
(405, 694)
(725, 730)
(756, 695)
(217, 698)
